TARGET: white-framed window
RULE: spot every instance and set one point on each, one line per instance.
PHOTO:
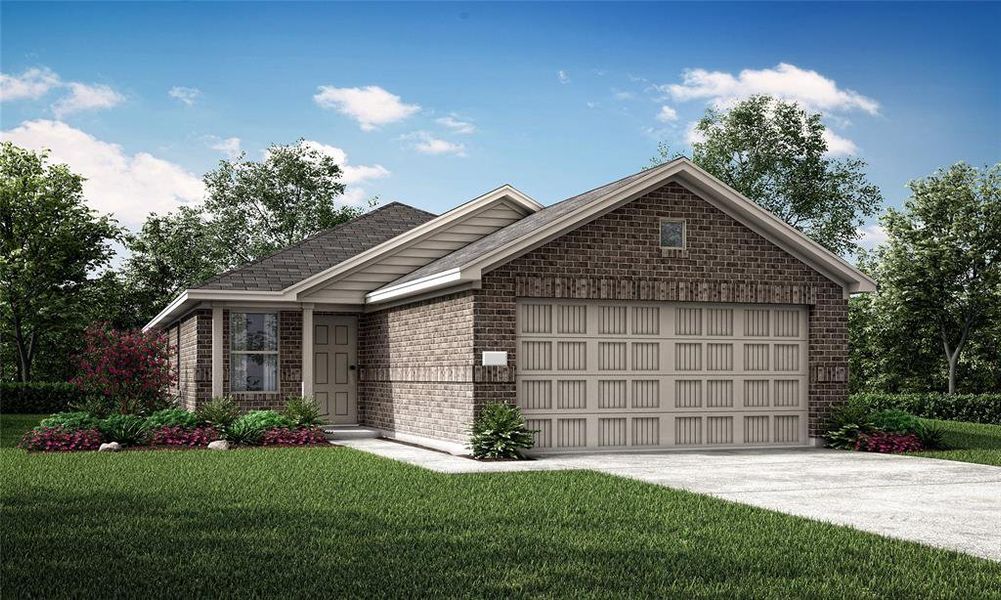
(253, 347)
(672, 234)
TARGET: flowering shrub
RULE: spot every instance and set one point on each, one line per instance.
(182, 436)
(301, 436)
(131, 368)
(887, 442)
(57, 439)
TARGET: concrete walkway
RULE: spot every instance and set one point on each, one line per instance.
(942, 503)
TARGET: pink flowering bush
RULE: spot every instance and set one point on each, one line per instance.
(129, 368)
(887, 442)
(185, 437)
(59, 439)
(300, 436)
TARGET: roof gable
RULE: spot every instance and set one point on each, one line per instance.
(468, 263)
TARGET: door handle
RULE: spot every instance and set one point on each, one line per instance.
(352, 367)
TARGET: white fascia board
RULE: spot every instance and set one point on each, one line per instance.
(417, 286)
(458, 213)
(192, 297)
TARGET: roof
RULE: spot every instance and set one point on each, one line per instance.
(467, 264)
(517, 230)
(321, 251)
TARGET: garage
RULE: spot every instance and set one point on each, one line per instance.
(635, 375)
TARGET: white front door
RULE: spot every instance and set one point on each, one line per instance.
(335, 376)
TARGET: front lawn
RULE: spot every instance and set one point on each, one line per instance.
(968, 442)
(333, 522)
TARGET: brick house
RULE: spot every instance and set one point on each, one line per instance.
(663, 310)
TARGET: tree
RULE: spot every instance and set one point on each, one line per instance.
(256, 208)
(51, 243)
(941, 271)
(169, 254)
(775, 153)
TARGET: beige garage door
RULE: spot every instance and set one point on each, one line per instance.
(643, 375)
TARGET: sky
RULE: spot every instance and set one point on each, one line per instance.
(435, 104)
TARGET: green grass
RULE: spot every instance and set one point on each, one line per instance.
(12, 427)
(332, 522)
(968, 442)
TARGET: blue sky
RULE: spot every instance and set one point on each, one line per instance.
(432, 104)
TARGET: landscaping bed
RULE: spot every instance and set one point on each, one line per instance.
(968, 442)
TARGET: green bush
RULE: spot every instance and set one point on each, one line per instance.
(96, 406)
(895, 421)
(128, 430)
(38, 397)
(302, 411)
(172, 417)
(845, 437)
(500, 432)
(972, 408)
(932, 436)
(219, 412)
(248, 428)
(73, 421)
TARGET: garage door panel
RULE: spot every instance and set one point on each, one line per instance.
(606, 374)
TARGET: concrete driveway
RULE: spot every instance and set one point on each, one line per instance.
(948, 504)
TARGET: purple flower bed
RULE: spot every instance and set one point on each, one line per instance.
(57, 439)
(183, 437)
(302, 436)
(888, 443)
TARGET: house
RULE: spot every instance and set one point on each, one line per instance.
(662, 310)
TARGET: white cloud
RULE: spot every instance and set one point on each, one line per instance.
(871, 235)
(371, 106)
(457, 125)
(693, 135)
(187, 95)
(30, 85)
(128, 186)
(788, 82)
(230, 147)
(86, 97)
(667, 114)
(837, 145)
(352, 176)
(563, 76)
(623, 95)
(425, 143)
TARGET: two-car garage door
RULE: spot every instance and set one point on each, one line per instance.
(643, 375)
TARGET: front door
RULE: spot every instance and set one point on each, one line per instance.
(334, 372)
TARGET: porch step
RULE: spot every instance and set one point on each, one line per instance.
(349, 432)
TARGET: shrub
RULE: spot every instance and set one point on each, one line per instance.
(302, 411)
(220, 412)
(299, 436)
(500, 432)
(248, 428)
(846, 436)
(887, 442)
(58, 439)
(895, 421)
(38, 397)
(128, 430)
(932, 436)
(96, 406)
(70, 421)
(172, 417)
(131, 368)
(973, 408)
(196, 437)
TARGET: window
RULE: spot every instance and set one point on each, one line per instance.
(672, 234)
(253, 344)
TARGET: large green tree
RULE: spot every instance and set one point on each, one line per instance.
(52, 247)
(940, 273)
(776, 154)
(257, 207)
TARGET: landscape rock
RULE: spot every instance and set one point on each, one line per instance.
(219, 445)
(110, 447)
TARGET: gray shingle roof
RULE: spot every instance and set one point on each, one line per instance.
(321, 251)
(516, 230)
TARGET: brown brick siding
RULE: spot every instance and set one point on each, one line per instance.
(618, 256)
(194, 372)
(416, 368)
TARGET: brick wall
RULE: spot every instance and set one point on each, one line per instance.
(416, 368)
(194, 374)
(618, 256)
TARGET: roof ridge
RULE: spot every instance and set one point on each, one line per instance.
(318, 234)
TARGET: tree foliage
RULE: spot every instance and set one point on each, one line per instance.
(51, 248)
(776, 154)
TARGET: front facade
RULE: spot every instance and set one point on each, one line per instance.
(660, 311)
